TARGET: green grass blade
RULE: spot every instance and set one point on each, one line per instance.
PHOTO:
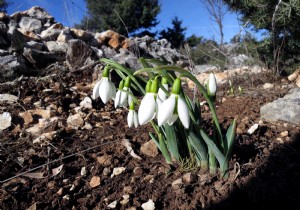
(198, 146)
(154, 140)
(220, 157)
(172, 141)
(230, 136)
(164, 149)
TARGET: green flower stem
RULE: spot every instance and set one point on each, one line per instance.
(212, 162)
(201, 89)
(126, 71)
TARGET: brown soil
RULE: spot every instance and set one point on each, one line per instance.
(265, 168)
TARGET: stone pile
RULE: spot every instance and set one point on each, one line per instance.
(32, 39)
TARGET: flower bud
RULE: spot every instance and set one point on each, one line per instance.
(176, 86)
(148, 86)
(154, 86)
(127, 82)
(105, 72)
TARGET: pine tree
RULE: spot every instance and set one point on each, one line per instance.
(121, 16)
(174, 35)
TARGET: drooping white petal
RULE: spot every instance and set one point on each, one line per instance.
(117, 99)
(158, 103)
(123, 99)
(212, 84)
(129, 97)
(166, 110)
(135, 119)
(183, 112)
(161, 94)
(113, 90)
(96, 90)
(172, 119)
(105, 91)
(130, 118)
(147, 108)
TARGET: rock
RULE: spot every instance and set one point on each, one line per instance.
(284, 109)
(149, 205)
(126, 57)
(3, 28)
(3, 43)
(112, 205)
(41, 59)
(81, 34)
(297, 82)
(39, 13)
(3, 52)
(52, 32)
(44, 137)
(35, 45)
(108, 52)
(294, 75)
(149, 148)
(284, 134)
(238, 60)
(268, 86)
(4, 17)
(8, 98)
(86, 103)
(95, 181)
(30, 24)
(206, 68)
(112, 38)
(18, 40)
(75, 121)
(253, 129)
(11, 65)
(29, 35)
(64, 36)
(5, 120)
(125, 200)
(98, 52)
(117, 171)
(188, 177)
(53, 46)
(78, 54)
(177, 184)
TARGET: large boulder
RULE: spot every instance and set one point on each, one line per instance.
(11, 65)
(283, 109)
(30, 24)
(78, 54)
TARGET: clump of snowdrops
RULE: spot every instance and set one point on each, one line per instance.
(176, 118)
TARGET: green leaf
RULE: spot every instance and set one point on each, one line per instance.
(198, 146)
(230, 136)
(164, 149)
(220, 157)
(172, 141)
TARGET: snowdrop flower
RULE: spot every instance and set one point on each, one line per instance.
(132, 117)
(174, 107)
(104, 88)
(149, 104)
(212, 85)
(161, 94)
(122, 97)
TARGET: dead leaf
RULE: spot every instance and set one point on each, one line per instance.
(127, 144)
(57, 170)
(32, 207)
(37, 175)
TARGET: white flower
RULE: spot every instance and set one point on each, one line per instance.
(123, 98)
(161, 94)
(172, 108)
(132, 118)
(212, 85)
(148, 108)
(105, 89)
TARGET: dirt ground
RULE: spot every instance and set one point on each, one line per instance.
(264, 170)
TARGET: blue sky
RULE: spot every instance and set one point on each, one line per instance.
(191, 12)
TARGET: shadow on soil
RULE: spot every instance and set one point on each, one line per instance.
(276, 184)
